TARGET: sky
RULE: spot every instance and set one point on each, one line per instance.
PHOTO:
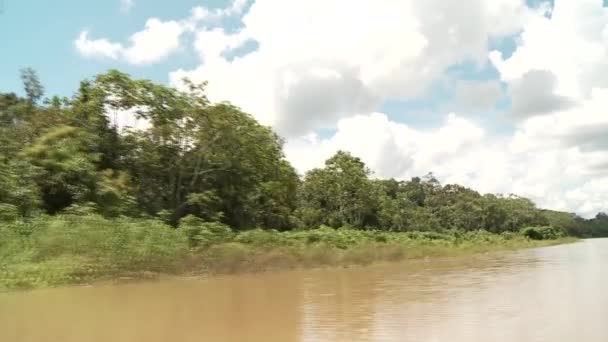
(504, 96)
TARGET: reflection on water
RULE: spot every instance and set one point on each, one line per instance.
(551, 294)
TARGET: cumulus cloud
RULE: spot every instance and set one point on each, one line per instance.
(205, 15)
(154, 43)
(559, 69)
(317, 67)
(477, 95)
(97, 47)
(583, 126)
(381, 50)
(337, 91)
(460, 151)
(570, 43)
(559, 159)
(393, 149)
(158, 39)
(384, 145)
(534, 94)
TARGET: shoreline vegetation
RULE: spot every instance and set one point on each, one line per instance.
(202, 188)
(72, 249)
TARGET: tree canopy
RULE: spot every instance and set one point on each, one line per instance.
(214, 162)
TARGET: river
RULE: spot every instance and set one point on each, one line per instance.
(557, 293)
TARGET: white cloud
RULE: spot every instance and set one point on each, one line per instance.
(154, 43)
(571, 44)
(97, 47)
(393, 149)
(380, 50)
(202, 14)
(318, 67)
(158, 39)
(459, 151)
(332, 63)
(571, 47)
(584, 127)
(127, 119)
(477, 95)
(534, 94)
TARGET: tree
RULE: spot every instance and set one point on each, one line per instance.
(31, 83)
(66, 166)
(17, 187)
(339, 194)
(211, 161)
(215, 163)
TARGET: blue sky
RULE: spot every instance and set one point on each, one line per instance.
(40, 34)
(494, 94)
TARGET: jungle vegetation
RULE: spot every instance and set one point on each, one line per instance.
(81, 196)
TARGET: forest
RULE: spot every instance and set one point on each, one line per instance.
(201, 168)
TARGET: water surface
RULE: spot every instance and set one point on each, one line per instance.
(556, 293)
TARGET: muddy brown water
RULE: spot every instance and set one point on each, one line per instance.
(557, 293)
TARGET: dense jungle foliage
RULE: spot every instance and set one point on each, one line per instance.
(82, 196)
(214, 162)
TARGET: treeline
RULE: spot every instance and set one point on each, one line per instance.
(218, 164)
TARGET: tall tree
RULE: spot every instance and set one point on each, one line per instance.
(211, 161)
(339, 194)
(33, 88)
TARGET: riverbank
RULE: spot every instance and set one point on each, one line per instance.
(49, 251)
(361, 248)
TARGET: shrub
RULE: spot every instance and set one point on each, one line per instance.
(83, 209)
(542, 233)
(508, 235)
(8, 212)
(262, 238)
(72, 248)
(429, 236)
(67, 248)
(204, 234)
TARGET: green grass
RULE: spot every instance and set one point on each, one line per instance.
(259, 250)
(49, 251)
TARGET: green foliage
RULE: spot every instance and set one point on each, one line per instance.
(68, 248)
(17, 188)
(573, 225)
(32, 85)
(8, 212)
(542, 233)
(214, 162)
(596, 227)
(80, 196)
(211, 161)
(339, 194)
(50, 250)
(67, 167)
(267, 249)
(208, 160)
(204, 234)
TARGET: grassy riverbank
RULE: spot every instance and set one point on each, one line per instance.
(49, 251)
